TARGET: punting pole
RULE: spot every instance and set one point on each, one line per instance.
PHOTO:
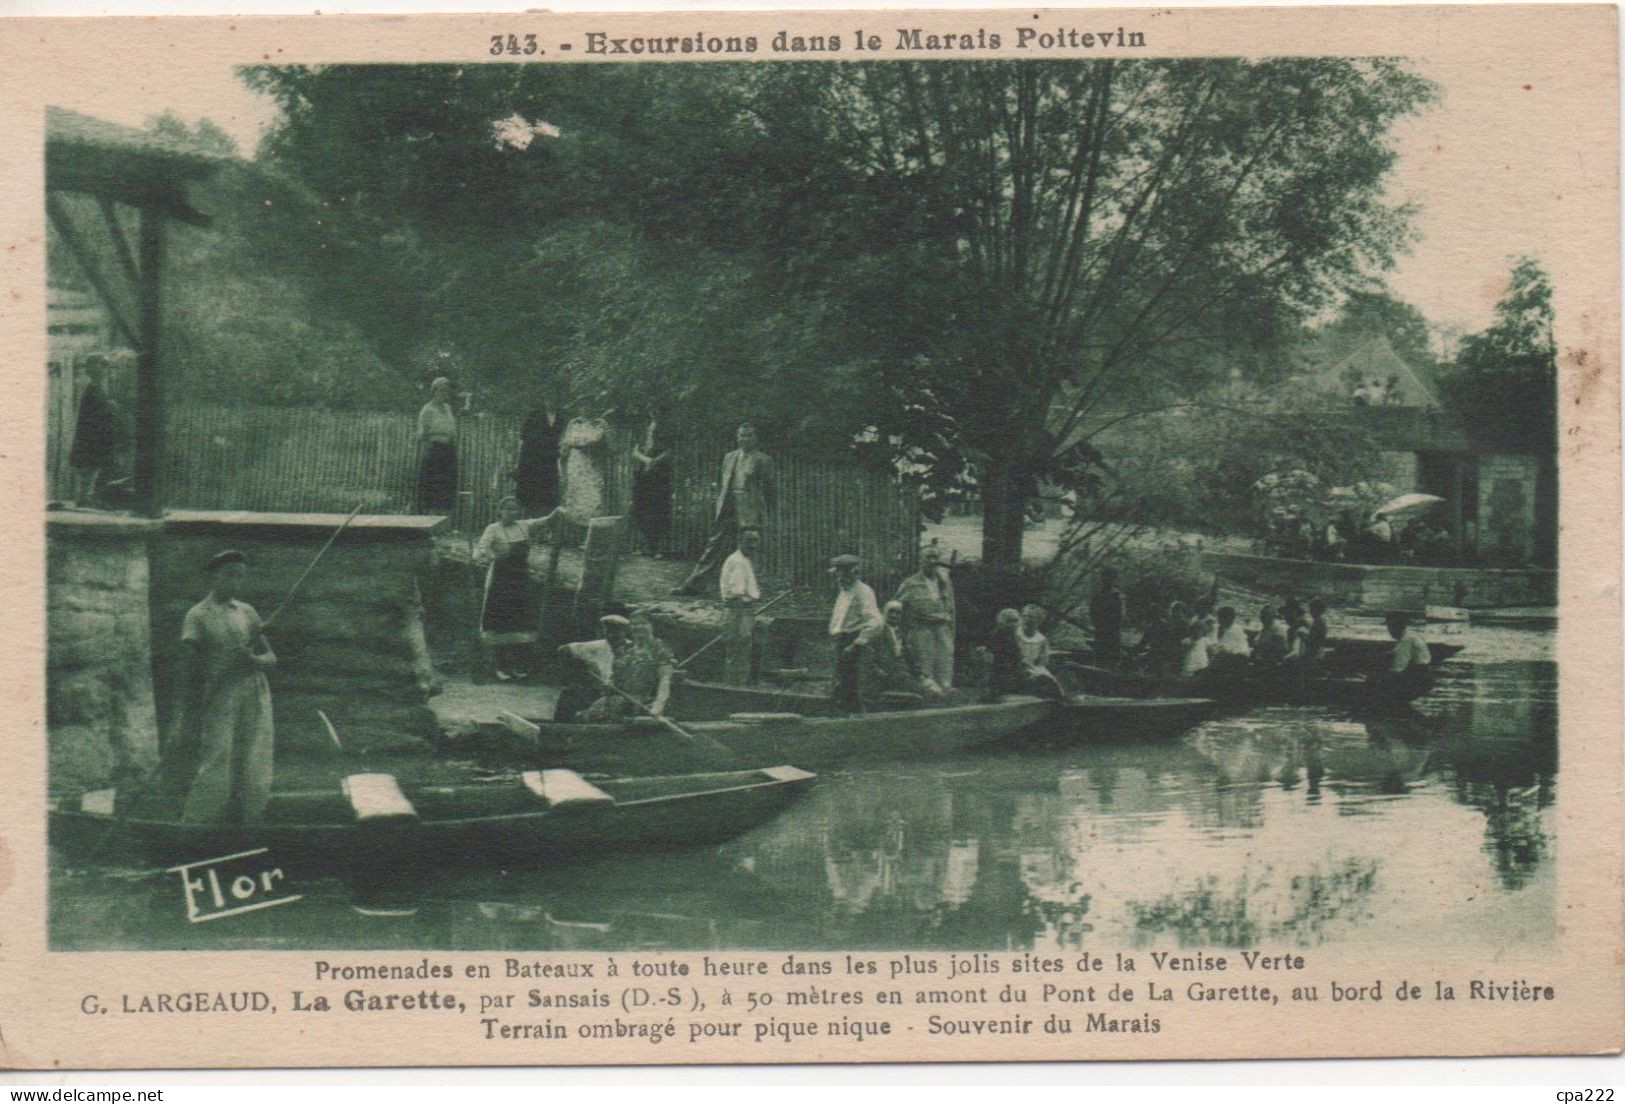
(709, 644)
(299, 582)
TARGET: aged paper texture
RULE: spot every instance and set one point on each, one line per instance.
(811, 537)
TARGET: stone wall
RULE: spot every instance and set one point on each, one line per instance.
(352, 642)
(99, 696)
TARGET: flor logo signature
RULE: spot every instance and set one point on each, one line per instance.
(231, 884)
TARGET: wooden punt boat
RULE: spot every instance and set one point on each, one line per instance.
(774, 736)
(552, 814)
(1251, 689)
(1356, 655)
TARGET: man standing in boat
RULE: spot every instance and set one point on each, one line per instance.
(927, 598)
(853, 623)
(223, 736)
(749, 493)
(740, 593)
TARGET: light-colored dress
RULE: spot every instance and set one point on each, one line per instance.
(231, 721)
(583, 448)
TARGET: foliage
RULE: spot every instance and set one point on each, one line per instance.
(1504, 380)
(1201, 466)
(795, 241)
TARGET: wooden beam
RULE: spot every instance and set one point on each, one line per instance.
(87, 264)
(121, 244)
(149, 412)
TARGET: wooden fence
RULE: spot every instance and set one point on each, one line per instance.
(313, 459)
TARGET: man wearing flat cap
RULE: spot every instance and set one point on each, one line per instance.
(592, 666)
(853, 624)
(222, 737)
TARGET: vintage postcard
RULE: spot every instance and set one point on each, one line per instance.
(811, 537)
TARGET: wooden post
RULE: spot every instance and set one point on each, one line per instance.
(149, 406)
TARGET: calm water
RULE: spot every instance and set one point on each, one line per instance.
(1289, 826)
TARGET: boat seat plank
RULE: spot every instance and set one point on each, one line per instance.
(377, 797)
(564, 789)
(787, 773)
(764, 718)
(98, 802)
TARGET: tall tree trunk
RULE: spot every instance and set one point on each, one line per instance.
(1004, 512)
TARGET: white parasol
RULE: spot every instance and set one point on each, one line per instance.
(1406, 502)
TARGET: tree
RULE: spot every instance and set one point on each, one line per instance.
(1504, 380)
(1369, 313)
(1012, 248)
(1058, 239)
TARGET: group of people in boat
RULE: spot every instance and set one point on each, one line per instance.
(1207, 641)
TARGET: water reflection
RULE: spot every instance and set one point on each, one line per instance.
(1287, 826)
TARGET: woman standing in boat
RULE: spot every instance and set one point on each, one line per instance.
(508, 623)
(223, 724)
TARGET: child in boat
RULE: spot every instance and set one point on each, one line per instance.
(1034, 648)
(1197, 651)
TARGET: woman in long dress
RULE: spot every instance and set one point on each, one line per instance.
(651, 488)
(508, 615)
(582, 447)
(536, 470)
(437, 448)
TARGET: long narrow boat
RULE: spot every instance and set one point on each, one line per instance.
(1249, 689)
(555, 814)
(1347, 655)
(775, 736)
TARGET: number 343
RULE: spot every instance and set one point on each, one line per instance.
(514, 44)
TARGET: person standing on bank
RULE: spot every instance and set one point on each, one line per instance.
(536, 468)
(930, 619)
(223, 730)
(853, 623)
(95, 433)
(749, 493)
(508, 624)
(437, 450)
(651, 488)
(740, 593)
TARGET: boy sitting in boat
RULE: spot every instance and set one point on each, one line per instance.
(628, 670)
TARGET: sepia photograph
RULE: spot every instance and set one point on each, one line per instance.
(820, 492)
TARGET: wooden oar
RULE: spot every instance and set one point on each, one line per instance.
(709, 644)
(700, 739)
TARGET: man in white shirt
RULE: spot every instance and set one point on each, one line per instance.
(1410, 670)
(854, 622)
(740, 594)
